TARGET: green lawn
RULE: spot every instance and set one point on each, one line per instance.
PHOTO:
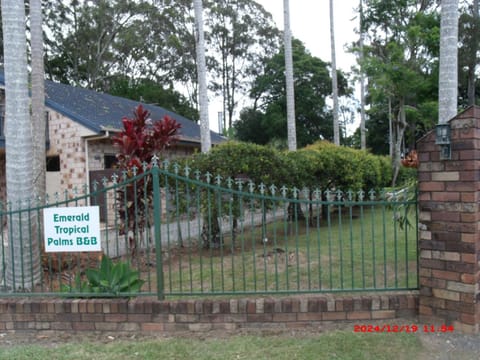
(330, 345)
(361, 248)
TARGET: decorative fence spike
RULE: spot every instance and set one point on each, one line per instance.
(176, 168)
(262, 188)
(155, 159)
(197, 174)
(361, 194)
(295, 192)
(273, 189)
(350, 195)
(339, 195)
(208, 176)
(251, 186)
(239, 183)
(186, 171)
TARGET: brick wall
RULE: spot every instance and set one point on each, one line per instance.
(145, 315)
(449, 236)
(67, 142)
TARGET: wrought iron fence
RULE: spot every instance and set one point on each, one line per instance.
(185, 233)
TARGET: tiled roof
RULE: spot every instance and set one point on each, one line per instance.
(99, 111)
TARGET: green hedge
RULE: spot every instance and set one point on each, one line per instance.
(321, 165)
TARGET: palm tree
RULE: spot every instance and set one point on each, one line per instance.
(205, 139)
(24, 272)
(336, 129)
(290, 92)
(448, 73)
(38, 98)
(363, 140)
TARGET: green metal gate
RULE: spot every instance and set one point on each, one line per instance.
(188, 233)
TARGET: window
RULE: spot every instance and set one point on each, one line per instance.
(53, 163)
(110, 161)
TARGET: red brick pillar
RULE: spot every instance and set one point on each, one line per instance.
(449, 241)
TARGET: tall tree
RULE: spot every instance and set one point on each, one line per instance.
(290, 92)
(90, 41)
(448, 73)
(23, 261)
(240, 34)
(205, 139)
(313, 85)
(400, 51)
(38, 97)
(363, 139)
(336, 131)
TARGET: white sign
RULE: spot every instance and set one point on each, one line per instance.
(70, 229)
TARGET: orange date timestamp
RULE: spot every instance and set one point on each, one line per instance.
(364, 328)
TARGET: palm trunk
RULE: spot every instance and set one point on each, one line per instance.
(205, 139)
(291, 127)
(38, 98)
(448, 73)
(363, 139)
(336, 128)
(23, 260)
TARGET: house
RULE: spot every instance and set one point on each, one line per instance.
(80, 123)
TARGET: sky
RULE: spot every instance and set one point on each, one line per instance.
(309, 22)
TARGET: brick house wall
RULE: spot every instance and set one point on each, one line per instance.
(66, 141)
(70, 141)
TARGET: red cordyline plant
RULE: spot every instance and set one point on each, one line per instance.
(140, 140)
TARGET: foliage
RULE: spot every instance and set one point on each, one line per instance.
(344, 168)
(237, 159)
(110, 279)
(400, 61)
(312, 86)
(140, 140)
(242, 33)
(150, 92)
(231, 162)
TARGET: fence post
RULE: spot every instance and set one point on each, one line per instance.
(157, 213)
(449, 195)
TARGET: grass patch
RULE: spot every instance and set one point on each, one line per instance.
(331, 345)
(354, 249)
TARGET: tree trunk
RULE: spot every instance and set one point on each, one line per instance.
(211, 236)
(205, 139)
(23, 260)
(291, 127)
(336, 128)
(38, 99)
(363, 139)
(400, 126)
(448, 73)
